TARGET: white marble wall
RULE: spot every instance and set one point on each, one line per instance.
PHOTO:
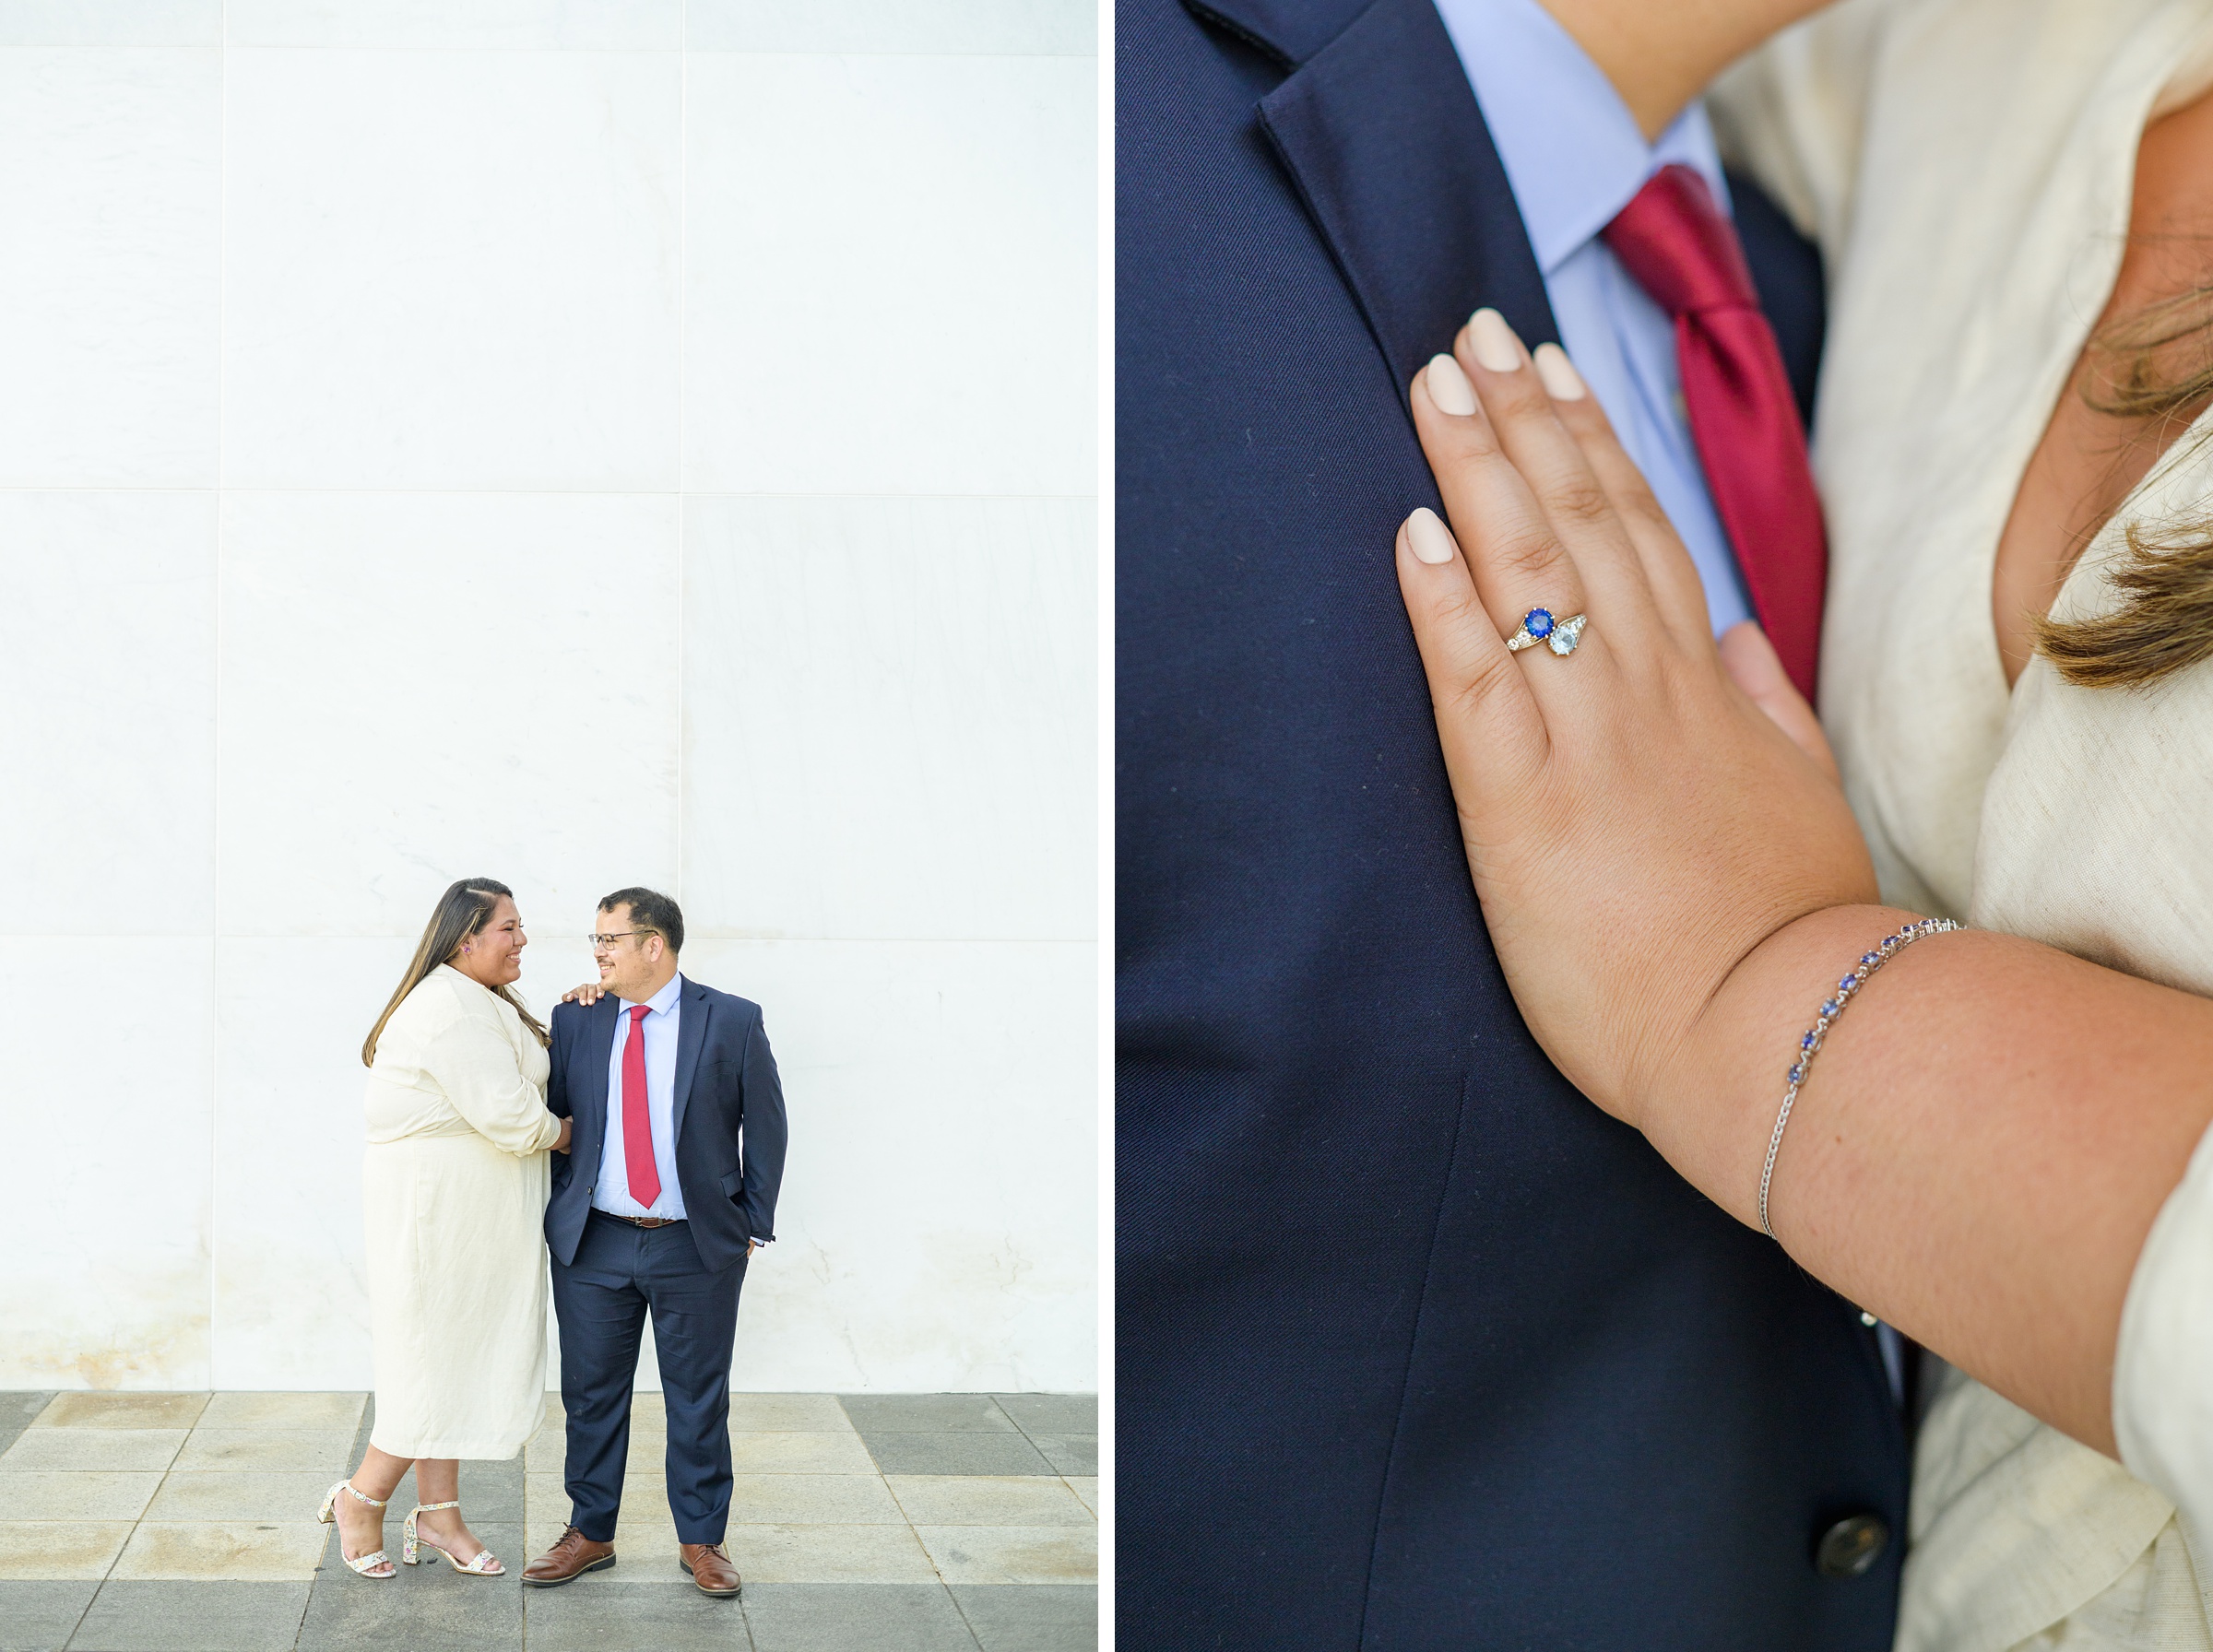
(585, 442)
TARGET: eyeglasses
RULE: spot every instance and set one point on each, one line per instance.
(606, 943)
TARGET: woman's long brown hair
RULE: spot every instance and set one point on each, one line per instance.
(461, 912)
(2164, 623)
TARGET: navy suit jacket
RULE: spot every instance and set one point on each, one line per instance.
(728, 1118)
(1416, 1348)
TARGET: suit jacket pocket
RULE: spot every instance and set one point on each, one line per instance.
(733, 1186)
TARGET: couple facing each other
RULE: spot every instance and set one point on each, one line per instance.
(658, 1104)
(1401, 895)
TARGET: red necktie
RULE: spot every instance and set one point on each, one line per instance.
(637, 1125)
(1683, 250)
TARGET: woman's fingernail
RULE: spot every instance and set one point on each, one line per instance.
(1495, 347)
(1562, 382)
(1448, 387)
(1429, 538)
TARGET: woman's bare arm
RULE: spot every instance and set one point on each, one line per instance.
(1976, 1154)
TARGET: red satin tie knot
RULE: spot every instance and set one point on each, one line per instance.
(1682, 249)
(1681, 246)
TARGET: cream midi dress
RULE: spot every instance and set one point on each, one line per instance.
(454, 1195)
(1967, 167)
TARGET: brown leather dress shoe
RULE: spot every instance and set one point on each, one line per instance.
(709, 1566)
(570, 1558)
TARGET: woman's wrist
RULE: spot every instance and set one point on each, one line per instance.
(1711, 1113)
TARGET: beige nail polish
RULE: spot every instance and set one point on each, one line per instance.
(1448, 387)
(1562, 382)
(1495, 347)
(1429, 538)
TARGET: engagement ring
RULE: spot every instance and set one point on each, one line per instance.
(1539, 626)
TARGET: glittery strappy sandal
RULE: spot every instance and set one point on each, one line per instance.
(485, 1564)
(364, 1565)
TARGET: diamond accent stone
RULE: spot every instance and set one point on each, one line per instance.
(1565, 635)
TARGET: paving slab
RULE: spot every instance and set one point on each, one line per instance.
(916, 1413)
(956, 1452)
(607, 1610)
(81, 1409)
(237, 1494)
(813, 1500)
(243, 1550)
(787, 1414)
(1012, 1554)
(41, 1617)
(1086, 1486)
(797, 1452)
(870, 1554)
(20, 1407)
(416, 1611)
(1041, 1618)
(191, 1617)
(58, 1550)
(73, 1448)
(77, 1495)
(324, 1452)
(883, 1617)
(988, 1500)
(340, 1411)
(1052, 1413)
(1070, 1454)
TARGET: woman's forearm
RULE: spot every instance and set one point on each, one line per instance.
(1976, 1154)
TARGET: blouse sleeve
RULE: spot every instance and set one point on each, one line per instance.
(1791, 115)
(473, 1063)
(2162, 1390)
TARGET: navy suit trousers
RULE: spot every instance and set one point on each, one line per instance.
(621, 1274)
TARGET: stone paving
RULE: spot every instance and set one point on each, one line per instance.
(862, 1523)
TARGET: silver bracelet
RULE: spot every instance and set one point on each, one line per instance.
(1810, 1045)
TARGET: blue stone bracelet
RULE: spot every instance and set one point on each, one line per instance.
(1810, 1045)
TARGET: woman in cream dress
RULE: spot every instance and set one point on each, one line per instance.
(1971, 170)
(453, 1193)
(2003, 1150)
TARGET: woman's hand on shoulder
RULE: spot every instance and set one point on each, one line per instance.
(590, 993)
(1635, 822)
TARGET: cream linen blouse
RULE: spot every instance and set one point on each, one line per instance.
(1966, 166)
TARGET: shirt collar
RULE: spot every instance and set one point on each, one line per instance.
(660, 1001)
(1571, 150)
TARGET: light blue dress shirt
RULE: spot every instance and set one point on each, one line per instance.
(1575, 157)
(612, 1192)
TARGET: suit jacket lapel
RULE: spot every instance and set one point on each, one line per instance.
(593, 1051)
(691, 1031)
(1380, 132)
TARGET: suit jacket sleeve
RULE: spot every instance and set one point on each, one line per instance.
(556, 1053)
(762, 1149)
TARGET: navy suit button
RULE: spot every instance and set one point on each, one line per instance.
(1851, 1545)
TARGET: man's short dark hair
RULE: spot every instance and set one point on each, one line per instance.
(649, 909)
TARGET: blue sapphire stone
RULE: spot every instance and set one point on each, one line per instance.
(1806, 1043)
(1869, 958)
(1846, 984)
(1538, 623)
(1831, 1007)
(1797, 1073)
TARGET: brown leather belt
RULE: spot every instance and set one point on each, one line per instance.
(643, 1221)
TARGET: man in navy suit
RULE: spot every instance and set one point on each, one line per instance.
(1416, 1348)
(670, 1186)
